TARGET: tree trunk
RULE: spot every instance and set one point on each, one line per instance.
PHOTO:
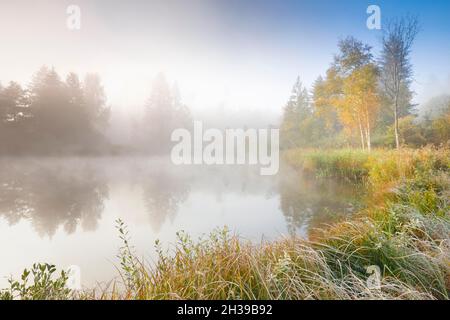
(396, 131)
(361, 132)
(369, 142)
(368, 138)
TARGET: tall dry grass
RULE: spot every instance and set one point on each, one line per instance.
(405, 232)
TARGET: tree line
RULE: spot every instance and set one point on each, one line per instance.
(363, 100)
(71, 116)
(52, 114)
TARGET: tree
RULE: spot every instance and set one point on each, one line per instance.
(351, 89)
(80, 125)
(67, 114)
(323, 91)
(95, 101)
(158, 116)
(49, 104)
(53, 115)
(353, 54)
(295, 130)
(360, 102)
(440, 127)
(164, 112)
(412, 133)
(435, 107)
(37, 84)
(11, 100)
(396, 68)
(75, 90)
(182, 114)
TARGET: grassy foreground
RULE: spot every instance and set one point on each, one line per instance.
(404, 233)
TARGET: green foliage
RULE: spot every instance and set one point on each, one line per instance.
(379, 168)
(349, 164)
(130, 266)
(297, 126)
(416, 132)
(39, 283)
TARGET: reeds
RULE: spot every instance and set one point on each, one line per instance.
(404, 234)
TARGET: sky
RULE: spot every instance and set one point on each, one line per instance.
(233, 54)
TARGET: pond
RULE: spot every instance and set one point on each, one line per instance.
(63, 210)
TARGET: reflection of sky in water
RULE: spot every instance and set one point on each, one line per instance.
(63, 211)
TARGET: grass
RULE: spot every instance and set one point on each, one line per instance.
(403, 235)
(377, 168)
(347, 164)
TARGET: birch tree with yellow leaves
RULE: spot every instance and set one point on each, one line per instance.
(352, 89)
(360, 102)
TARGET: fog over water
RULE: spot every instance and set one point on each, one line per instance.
(86, 118)
(63, 210)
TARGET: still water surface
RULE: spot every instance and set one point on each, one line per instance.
(63, 211)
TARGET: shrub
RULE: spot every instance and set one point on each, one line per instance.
(44, 285)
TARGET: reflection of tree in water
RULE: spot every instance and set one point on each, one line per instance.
(243, 181)
(308, 203)
(164, 192)
(51, 195)
(166, 188)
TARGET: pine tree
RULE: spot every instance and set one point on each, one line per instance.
(95, 100)
(12, 99)
(296, 114)
(164, 112)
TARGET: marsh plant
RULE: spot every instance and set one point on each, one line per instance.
(403, 234)
(405, 238)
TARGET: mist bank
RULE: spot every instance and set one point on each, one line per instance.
(72, 116)
(56, 116)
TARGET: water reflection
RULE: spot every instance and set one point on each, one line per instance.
(62, 211)
(309, 203)
(166, 188)
(72, 192)
(164, 192)
(51, 193)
